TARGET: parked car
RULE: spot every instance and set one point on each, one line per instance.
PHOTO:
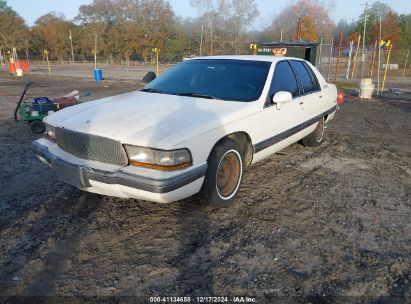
(193, 129)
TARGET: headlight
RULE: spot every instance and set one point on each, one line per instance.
(50, 133)
(158, 159)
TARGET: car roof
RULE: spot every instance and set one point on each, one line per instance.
(287, 44)
(247, 57)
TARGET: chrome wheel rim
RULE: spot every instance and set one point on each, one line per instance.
(228, 174)
(319, 131)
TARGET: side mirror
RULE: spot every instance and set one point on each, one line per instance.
(280, 98)
(150, 76)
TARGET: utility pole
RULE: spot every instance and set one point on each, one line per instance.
(71, 45)
(363, 40)
(27, 55)
(201, 40)
(281, 35)
(405, 65)
(95, 51)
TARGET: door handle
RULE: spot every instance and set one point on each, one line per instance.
(321, 96)
(301, 102)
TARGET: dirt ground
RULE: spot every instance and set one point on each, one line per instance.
(325, 225)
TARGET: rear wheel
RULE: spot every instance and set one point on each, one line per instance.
(224, 174)
(316, 138)
(37, 127)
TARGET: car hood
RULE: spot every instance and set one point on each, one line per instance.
(149, 119)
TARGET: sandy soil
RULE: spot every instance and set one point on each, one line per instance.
(324, 225)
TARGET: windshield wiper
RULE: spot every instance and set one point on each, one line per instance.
(150, 90)
(192, 94)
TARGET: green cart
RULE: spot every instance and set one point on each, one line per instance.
(34, 113)
(34, 118)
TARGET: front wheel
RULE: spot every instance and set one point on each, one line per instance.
(316, 138)
(37, 127)
(224, 174)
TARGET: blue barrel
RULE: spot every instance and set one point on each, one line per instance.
(98, 74)
(43, 105)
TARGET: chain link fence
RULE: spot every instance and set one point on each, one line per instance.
(354, 62)
(350, 62)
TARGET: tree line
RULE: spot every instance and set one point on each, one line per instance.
(129, 29)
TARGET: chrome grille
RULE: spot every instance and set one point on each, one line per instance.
(91, 147)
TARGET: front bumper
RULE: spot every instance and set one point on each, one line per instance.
(119, 183)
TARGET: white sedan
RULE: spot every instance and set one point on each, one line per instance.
(193, 129)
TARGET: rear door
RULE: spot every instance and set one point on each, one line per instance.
(312, 98)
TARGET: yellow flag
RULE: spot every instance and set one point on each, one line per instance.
(385, 43)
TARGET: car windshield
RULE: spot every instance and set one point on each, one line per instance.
(227, 79)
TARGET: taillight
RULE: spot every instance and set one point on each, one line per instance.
(340, 97)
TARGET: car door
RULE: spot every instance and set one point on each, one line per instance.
(279, 125)
(312, 99)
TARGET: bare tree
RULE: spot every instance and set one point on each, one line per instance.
(319, 11)
(207, 11)
(149, 20)
(245, 12)
(96, 19)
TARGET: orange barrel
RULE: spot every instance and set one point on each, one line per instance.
(24, 65)
(12, 67)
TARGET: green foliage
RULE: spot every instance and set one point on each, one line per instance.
(373, 14)
(390, 28)
(175, 45)
(4, 8)
(405, 31)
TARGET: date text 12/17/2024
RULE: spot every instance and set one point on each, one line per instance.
(238, 299)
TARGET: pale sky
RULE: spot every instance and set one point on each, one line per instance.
(350, 10)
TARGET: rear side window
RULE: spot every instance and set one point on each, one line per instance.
(308, 83)
(284, 79)
(313, 77)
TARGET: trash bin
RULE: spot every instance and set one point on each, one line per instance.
(98, 74)
(366, 88)
(42, 105)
